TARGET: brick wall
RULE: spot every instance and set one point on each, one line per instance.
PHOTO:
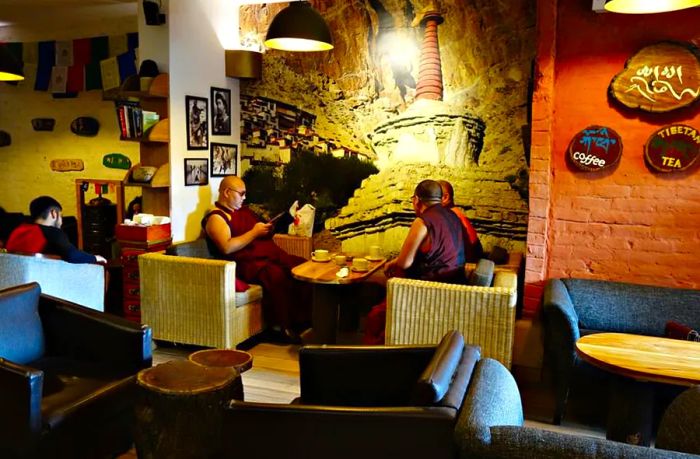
(626, 223)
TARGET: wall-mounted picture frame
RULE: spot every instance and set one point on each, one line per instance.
(223, 158)
(197, 123)
(196, 171)
(220, 111)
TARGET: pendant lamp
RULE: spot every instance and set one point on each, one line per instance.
(648, 6)
(299, 27)
(10, 70)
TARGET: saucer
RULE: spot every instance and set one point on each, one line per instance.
(320, 261)
(357, 270)
(374, 258)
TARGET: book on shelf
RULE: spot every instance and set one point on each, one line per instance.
(148, 120)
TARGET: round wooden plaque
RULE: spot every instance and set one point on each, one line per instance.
(595, 148)
(672, 148)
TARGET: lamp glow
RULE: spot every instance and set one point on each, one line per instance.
(10, 70)
(299, 27)
(648, 6)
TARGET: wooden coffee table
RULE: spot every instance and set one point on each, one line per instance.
(636, 360)
(239, 360)
(328, 290)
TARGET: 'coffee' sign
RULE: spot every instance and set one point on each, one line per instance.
(672, 148)
(595, 148)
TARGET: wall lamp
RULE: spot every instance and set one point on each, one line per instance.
(648, 6)
(299, 27)
(10, 69)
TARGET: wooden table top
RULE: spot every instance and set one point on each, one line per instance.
(240, 360)
(645, 358)
(325, 272)
(182, 377)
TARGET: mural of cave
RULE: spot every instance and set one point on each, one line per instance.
(424, 89)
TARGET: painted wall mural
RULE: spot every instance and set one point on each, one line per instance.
(424, 90)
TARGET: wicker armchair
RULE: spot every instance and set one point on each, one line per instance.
(421, 312)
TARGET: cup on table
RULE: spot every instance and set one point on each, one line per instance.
(360, 264)
(375, 251)
(320, 255)
(340, 260)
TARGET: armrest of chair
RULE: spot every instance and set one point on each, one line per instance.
(20, 399)
(560, 319)
(313, 431)
(361, 375)
(72, 330)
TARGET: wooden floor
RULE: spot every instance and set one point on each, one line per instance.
(274, 378)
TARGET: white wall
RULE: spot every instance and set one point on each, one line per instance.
(189, 47)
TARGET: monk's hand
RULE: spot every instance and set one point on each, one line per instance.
(262, 229)
(390, 269)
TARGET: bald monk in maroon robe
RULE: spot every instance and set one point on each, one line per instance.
(235, 233)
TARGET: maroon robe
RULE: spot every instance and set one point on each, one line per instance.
(286, 302)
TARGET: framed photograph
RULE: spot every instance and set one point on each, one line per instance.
(196, 171)
(197, 123)
(220, 111)
(223, 159)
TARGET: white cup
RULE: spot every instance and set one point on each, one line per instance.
(320, 255)
(360, 264)
(340, 260)
(375, 251)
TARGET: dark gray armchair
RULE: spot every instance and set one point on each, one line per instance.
(67, 376)
(369, 402)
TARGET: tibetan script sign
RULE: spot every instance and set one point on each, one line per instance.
(595, 148)
(659, 78)
(672, 148)
(66, 165)
(116, 161)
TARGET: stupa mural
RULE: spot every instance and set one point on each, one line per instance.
(424, 90)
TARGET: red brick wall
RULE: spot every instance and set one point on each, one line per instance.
(627, 223)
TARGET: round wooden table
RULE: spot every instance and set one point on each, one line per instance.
(179, 409)
(240, 360)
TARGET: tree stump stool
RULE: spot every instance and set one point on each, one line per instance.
(179, 410)
(225, 358)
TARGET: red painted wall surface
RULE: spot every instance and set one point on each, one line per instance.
(626, 223)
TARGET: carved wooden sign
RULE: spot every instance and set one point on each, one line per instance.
(116, 161)
(659, 78)
(66, 165)
(672, 148)
(595, 148)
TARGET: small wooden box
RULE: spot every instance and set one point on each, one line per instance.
(138, 233)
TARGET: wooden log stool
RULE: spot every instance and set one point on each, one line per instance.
(179, 409)
(225, 358)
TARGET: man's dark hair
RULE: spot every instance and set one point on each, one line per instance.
(429, 192)
(41, 206)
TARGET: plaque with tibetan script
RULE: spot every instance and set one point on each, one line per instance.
(659, 78)
(595, 148)
(672, 148)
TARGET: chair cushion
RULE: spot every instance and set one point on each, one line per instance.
(482, 276)
(21, 332)
(676, 330)
(435, 380)
(252, 293)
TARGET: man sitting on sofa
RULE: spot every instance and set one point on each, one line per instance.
(234, 232)
(45, 234)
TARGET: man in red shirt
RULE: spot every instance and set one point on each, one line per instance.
(473, 250)
(235, 233)
(45, 234)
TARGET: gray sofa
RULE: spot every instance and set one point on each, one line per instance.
(491, 426)
(576, 307)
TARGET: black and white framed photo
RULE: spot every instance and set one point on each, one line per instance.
(220, 111)
(223, 159)
(197, 123)
(196, 171)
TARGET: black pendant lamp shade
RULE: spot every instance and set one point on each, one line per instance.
(299, 27)
(10, 69)
(648, 6)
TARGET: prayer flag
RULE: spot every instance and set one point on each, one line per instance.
(132, 40)
(93, 76)
(64, 53)
(127, 65)
(76, 78)
(81, 51)
(47, 58)
(110, 73)
(117, 45)
(59, 78)
(99, 49)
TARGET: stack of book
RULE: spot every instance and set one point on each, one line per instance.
(133, 120)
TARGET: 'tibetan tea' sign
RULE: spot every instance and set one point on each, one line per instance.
(672, 148)
(595, 148)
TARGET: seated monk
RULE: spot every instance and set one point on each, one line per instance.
(234, 232)
(45, 234)
(433, 250)
(473, 251)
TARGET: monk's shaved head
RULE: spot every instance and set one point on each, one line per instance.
(231, 181)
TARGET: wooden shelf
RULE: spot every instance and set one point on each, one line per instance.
(131, 89)
(161, 179)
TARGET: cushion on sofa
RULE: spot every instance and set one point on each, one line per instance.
(21, 332)
(437, 376)
(482, 276)
(676, 330)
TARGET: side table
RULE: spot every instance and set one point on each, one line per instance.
(179, 409)
(225, 358)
